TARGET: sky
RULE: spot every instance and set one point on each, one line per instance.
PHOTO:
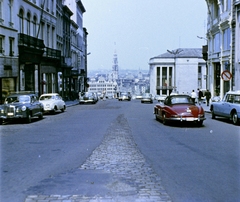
(141, 29)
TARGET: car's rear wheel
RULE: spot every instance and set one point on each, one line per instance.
(235, 118)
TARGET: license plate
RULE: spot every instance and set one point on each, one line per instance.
(190, 119)
(10, 114)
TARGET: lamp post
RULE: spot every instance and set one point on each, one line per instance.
(175, 53)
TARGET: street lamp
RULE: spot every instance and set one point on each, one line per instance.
(175, 53)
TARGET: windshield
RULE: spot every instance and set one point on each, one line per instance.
(181, 100)
(22, 99)
(47, 97)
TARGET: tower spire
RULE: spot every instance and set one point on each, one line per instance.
(115, 65)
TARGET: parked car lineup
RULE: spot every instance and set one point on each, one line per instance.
(179, 108)
(228, 107)
(52, 102)
(21, 106)
(175, 107)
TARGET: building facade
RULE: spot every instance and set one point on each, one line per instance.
(223, 38)
(108, 87)
(37, 47)
(180, 73)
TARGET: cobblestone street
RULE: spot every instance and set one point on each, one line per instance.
(132, 179)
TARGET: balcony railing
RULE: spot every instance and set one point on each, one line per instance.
(26, 40)
(52, 53)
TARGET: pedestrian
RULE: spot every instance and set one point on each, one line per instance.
(200, 96)
(193, 96)
(208, 96)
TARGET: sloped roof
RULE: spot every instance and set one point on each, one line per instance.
(185, 53)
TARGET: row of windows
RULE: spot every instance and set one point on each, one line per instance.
(225, 5)
(221, 40)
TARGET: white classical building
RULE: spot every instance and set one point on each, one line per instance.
(181, 72)
(103, 86)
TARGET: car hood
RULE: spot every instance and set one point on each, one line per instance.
(17, 104)
(186, 109)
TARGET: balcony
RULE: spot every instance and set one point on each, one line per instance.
(50, 53)
(29, 41)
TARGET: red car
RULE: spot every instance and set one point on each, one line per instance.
(179, 108)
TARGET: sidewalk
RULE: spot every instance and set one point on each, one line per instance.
(206, 108)
(70, 103)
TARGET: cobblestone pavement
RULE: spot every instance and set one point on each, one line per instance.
(133, 178)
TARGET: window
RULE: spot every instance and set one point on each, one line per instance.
(199, 69)
(28, 23)
(229, 4)
(216, 43)
(226, 39)
(1, 10)
(21, 22)
(35, 26)
(164, 76)
(170, 76)
(11, 41)
(215, 9)
(10, 12)
(1, 44)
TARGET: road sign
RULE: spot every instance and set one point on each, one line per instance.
(226, 75)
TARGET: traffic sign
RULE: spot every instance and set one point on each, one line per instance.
(226, 75)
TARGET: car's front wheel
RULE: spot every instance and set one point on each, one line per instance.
(29, 118)
(40, 116)
(235, 118)
(213, 115)
(1, 121)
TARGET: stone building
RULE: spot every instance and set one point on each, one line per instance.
(223, 36)
(36, 40)
(182, 73)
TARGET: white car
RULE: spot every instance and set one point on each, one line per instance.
(52, 102)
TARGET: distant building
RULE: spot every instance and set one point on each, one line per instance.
(101, 85)
(190, 72)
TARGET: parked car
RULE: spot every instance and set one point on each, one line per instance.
(124, 96)
(179, 108)
(52, 102)
(147, 97)
(161, 98)
(88, 97)
(21, 106)
(138, 96)
(229, 107)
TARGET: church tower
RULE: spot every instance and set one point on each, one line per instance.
(115, 66)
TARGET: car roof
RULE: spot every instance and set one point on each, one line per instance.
(237, 92)
(49, 94)
(17, 94)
